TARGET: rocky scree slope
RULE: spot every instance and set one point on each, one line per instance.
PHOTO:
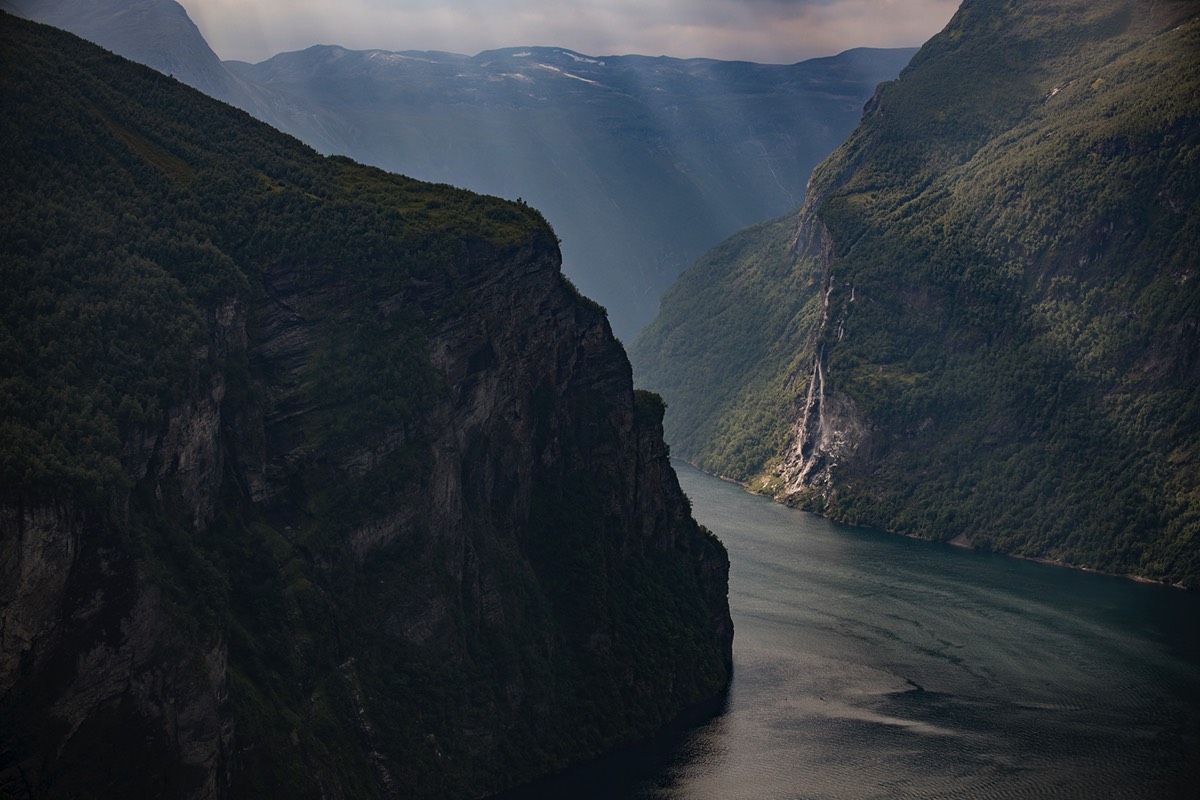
(984, 323)
(315, 481)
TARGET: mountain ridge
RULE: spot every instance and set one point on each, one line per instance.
(674, 154)
(315, 480)
(157, 33)
(671, 152)
(981, 325)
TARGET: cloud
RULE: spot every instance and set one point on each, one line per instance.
(777, 31)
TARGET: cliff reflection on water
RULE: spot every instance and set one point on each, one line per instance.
(871, 665)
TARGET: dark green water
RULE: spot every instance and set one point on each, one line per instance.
(870, 665)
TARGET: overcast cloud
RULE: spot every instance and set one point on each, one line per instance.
(769, 31)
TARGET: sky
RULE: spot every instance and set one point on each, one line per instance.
(767, 31)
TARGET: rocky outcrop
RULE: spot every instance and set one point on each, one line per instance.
(827, 428)
(537, 397)
(402, 528)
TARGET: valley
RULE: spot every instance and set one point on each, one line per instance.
(323, 472)
(639, 163)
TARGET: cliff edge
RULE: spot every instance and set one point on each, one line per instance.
(317, 481)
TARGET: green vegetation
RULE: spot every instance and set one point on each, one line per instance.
(642, 164)
(648, 408)
(182, 284)
(1013, 301)
(127, 219)
(727, 411)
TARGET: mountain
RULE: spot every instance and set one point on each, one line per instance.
(315, 480)
(983, 325)
(157, 33)
(640, 163)
(161, 35)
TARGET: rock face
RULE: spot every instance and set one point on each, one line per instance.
(980, 323)
(318, 481)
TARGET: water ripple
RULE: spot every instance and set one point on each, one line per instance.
(875, 666)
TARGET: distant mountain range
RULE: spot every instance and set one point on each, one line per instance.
(984, 324)
(640, 164)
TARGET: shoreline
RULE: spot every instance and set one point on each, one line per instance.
(641, 755)
(961, 541)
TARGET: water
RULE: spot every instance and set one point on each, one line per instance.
(868, 665)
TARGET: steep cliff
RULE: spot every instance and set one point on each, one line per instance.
(982, 325)
(316, 480)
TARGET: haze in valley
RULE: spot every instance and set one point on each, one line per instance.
(764, 31)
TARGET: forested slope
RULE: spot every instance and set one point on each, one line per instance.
(985, 321)
(315, 481)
